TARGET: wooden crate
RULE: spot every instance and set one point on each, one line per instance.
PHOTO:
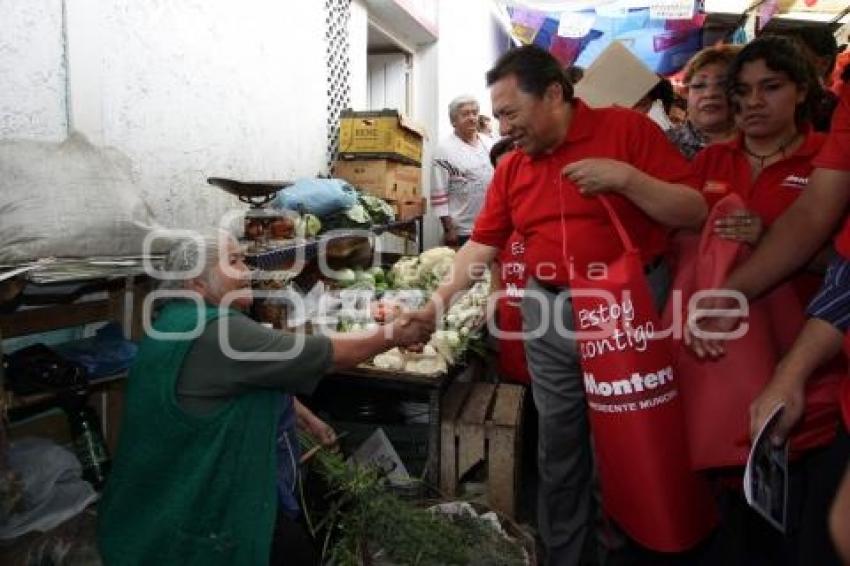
(483, 422)
(408, 209)
(381, 177)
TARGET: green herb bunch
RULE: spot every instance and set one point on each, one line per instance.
(367, 524)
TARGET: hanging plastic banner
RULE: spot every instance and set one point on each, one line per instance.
(576, 24)
(613, 10)
(525, 23)
(547, 32)
(671, 9)
(766, 13)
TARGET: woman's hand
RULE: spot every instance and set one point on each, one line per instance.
(314, 426)
(740, 226)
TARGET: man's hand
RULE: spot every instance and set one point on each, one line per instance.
(816, 344)
(740, 226)
(593, 176)
(784, 389)
(411, 329)
(696, 328)
(450, 237)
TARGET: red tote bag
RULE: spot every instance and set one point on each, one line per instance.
(717, 393)
(635, 409)
(512, 278)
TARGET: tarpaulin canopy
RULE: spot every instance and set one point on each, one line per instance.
(664, 34)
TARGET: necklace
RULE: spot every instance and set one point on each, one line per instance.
(781, 149)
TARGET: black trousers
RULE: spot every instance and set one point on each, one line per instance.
(744, 538)
(292, 545)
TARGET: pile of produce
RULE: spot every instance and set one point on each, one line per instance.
(365, 523)
(457, 332)
(373, 278)
(368, 211)
(425, 271)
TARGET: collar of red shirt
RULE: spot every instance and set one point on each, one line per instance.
(808, 149)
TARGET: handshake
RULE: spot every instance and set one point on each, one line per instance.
(411, 329)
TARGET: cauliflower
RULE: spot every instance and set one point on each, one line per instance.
(446, 343)
(427, 366)
(434, 264)
(405, 272)
(392, 359)
(431, 258)
(428, 362)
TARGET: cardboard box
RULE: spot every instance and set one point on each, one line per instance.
(383, 134)
(382, 177)
(407, 209)
(615, 78)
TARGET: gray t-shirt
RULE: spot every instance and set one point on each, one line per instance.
(210, 378)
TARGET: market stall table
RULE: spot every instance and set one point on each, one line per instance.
(401, 384)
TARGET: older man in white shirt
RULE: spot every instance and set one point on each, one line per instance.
(461, 172)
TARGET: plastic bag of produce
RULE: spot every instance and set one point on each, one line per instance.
(321, 197)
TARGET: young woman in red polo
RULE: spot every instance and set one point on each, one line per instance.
(771, 86)
(823, 336)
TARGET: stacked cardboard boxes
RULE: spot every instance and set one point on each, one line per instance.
(380, 152)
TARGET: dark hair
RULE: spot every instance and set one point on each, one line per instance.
(782, 55)
(534, 68)
(818, 39)
(663, 91)
(574, 73)
(500, 148)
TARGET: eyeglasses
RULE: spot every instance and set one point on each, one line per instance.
(703, 86)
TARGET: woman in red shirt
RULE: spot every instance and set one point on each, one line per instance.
(771, 87)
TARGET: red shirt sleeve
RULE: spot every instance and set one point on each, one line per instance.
(655, 155)
(835, 153)
(494, 226)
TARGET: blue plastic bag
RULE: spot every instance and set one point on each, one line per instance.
(321, 197)
(105, 354)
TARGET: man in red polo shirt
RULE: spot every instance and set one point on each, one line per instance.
(545, 190)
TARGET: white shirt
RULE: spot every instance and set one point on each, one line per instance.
(461, 174)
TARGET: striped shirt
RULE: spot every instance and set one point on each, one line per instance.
(461, 174)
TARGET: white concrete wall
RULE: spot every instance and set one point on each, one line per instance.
(358, 38)
(186, 89)
(470, 42)
(32, 70)
(196, 88)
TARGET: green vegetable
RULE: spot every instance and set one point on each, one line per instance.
(364, 519)
(346, 277)
(308, 226)
(380, 210)
(358, 214)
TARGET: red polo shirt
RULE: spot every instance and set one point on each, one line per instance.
(563, 230)
(724, 168)
(836, 155)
